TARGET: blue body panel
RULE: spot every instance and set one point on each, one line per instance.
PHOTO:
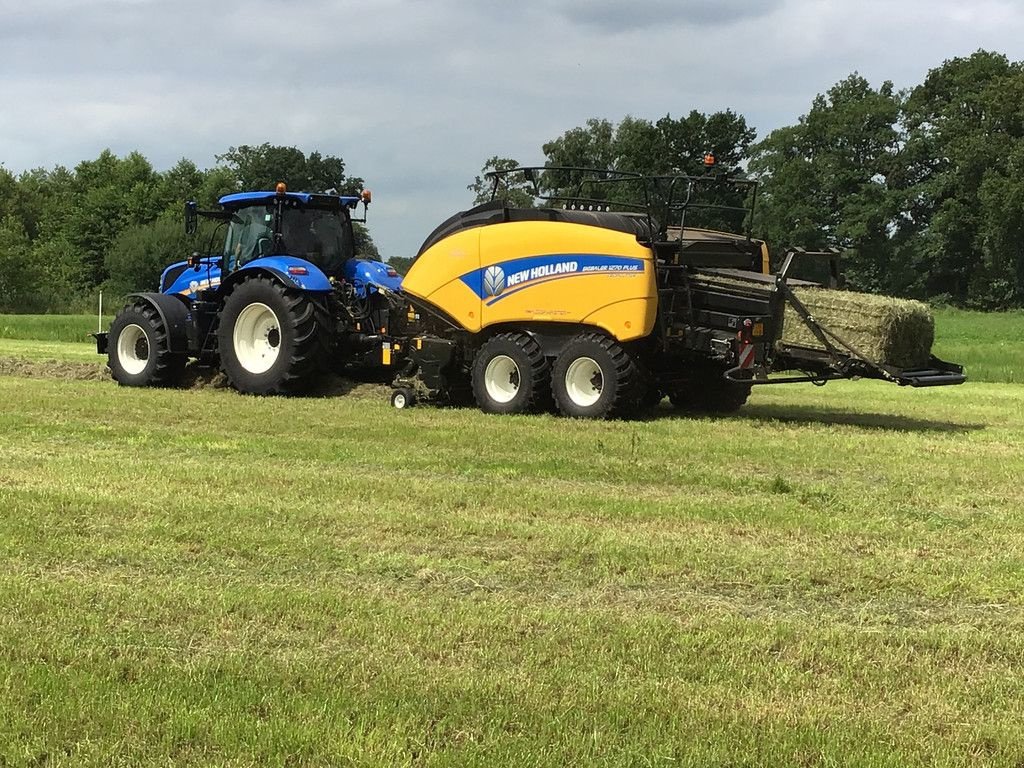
(365, 275)
(190, 280)
(313, 280)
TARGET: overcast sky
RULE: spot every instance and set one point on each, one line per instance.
(416, 94)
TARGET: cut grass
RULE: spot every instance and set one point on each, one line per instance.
(830, 577)
(195, 578)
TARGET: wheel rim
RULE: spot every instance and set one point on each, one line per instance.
(502, 379)
(257, 338)
(399, 400)
(584, 381)
(133, 349)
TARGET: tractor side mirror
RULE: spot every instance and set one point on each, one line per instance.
(191, 218)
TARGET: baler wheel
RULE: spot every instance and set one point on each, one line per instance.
(510, 375)
(270, 338)
(138, 353)
(595, 378)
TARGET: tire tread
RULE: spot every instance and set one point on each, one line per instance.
(538, 391)
(167, 366)
(627, 398)
(310, 343)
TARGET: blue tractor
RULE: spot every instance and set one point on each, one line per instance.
(286, 300)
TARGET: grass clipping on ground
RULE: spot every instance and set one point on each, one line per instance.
(887, 330)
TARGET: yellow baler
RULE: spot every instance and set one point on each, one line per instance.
(596, 312)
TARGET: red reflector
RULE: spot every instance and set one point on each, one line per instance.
(298, 271)
(392, 272)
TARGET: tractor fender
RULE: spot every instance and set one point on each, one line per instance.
(174, 313)
(290, 271)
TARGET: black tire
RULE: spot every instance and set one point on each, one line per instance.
(271, 339)
(510, 375)
(707, 391)
(138, 353)
(595, 378)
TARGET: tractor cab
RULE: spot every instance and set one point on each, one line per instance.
(306, 238)
(314, 228)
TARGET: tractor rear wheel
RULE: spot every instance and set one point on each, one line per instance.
(270, 338)
(510, 375)
(138, 353)
(595, 378)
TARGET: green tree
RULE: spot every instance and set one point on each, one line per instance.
(515, 189)
(45, 198)
(262, 167)
(108, 195)
(216, 183)
(668, 147)
(401, 263)
(965, 128)
(364, 245)
(182, 182)
(827, 181)
(9, 195)
(21, 287)
(60, 269)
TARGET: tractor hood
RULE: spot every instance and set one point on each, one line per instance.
(365, 275)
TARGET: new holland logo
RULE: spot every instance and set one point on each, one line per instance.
(494, 280)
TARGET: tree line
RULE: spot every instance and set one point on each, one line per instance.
(922, 189)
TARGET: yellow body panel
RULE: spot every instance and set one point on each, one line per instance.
(620, 319)
(540, 271)
(444, 262)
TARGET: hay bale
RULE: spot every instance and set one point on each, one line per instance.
(887, 330)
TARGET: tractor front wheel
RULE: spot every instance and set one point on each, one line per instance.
(138, 352)
(270, 338)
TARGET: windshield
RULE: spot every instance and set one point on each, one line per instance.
(322, 237)
(250, 235)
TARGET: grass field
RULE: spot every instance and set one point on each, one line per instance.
(830, 577)
(68, 328)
